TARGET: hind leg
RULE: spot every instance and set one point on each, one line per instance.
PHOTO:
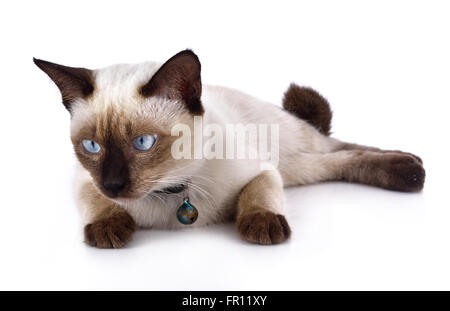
(316, 157)
(350, 146)
(393, 171)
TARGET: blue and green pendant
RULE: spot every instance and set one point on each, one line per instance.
(187, 213)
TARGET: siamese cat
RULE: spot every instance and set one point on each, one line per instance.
(122, 129)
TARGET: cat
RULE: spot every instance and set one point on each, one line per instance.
(122, 118)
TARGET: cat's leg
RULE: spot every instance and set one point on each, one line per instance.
(351, 146)
(259, 210)
(108, 224)
(394, 171)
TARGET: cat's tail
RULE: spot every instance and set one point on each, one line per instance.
(309, 105)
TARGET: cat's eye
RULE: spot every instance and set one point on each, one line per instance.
(144, 142)
(91, 146)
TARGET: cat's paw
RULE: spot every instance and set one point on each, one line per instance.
(398, 152)
(263, 228)
(403, 172)
(415, 157)
(111, 232)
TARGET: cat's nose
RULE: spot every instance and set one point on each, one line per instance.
(113, 187)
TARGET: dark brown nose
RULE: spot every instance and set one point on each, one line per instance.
(115, 171)
(113, 188)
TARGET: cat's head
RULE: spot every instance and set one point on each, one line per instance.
(121, 121)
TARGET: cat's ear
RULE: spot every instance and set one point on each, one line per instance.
(72, 82)
(179, 79)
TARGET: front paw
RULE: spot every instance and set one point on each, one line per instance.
(263, 228)
(110, 232)
(404, 173)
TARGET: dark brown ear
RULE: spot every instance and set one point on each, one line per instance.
(179, 78)
(72, 82)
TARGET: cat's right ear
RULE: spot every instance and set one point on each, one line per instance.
(72, 82)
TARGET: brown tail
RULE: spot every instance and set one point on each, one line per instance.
(308, 105)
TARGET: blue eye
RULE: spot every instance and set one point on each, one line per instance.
(144, 142)
(91, 146)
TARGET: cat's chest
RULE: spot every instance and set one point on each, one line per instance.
(213, 191)
(159, 211)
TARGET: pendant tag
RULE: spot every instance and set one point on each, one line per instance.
(187, 213)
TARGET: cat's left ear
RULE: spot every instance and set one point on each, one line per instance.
(179, 79)
(72, 82)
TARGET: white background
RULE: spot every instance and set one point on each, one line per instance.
(383, 65)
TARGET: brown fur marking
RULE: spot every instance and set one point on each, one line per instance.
(111, 231)
(392, 171)
(72, 82)
(309, 105)
(263, 228)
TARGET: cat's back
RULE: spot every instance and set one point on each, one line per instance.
(225, 105)
(233, 106)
